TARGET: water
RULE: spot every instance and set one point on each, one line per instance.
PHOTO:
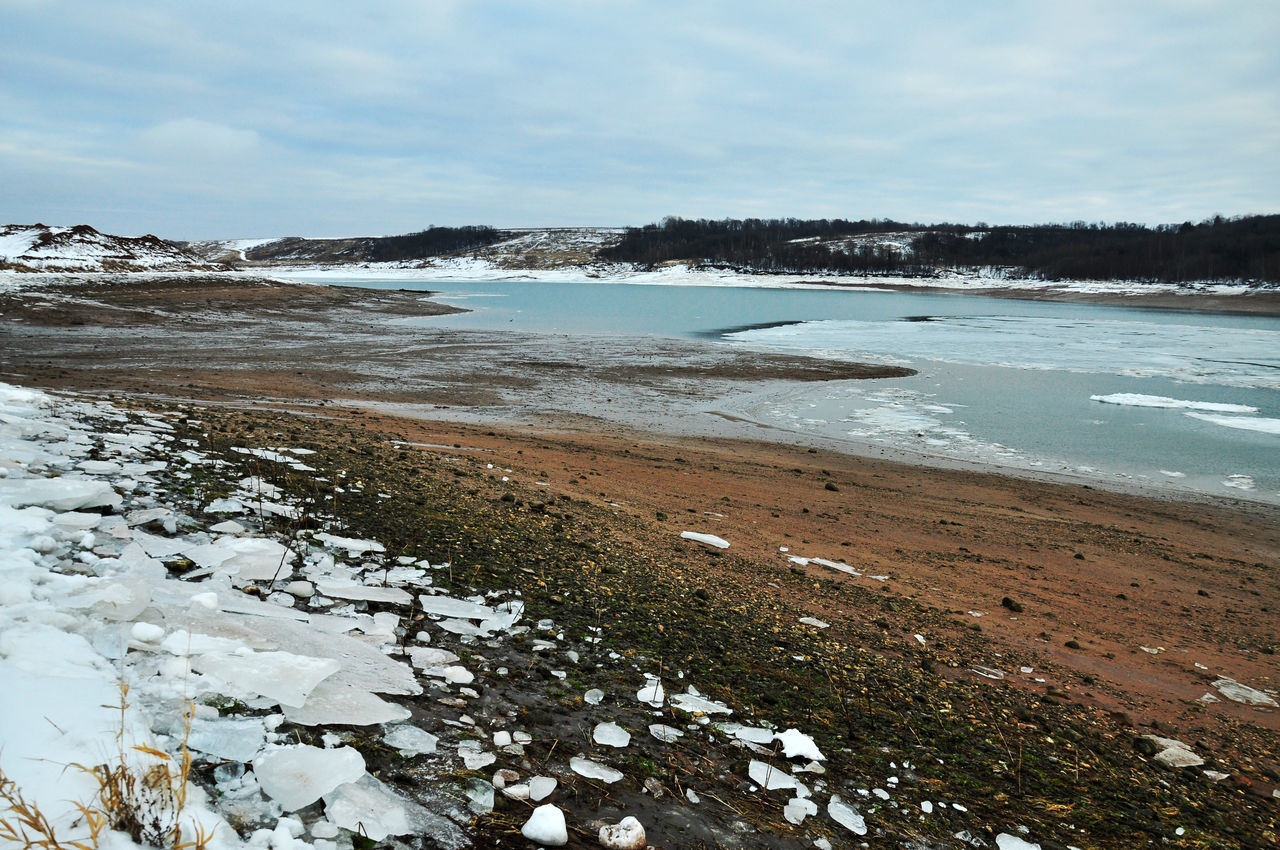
(1014, 383)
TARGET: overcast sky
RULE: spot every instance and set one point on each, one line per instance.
(229, 119)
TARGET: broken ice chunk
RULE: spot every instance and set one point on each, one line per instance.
(771, 778)
(815, 622)
(593, 696)
(798, 809)
(411, 741)
(846, 815)
(610, 734)
(353, 547)
(369, 807)
(447, 606)
(297, 775)
(796, 744)
(594, 770)
(546, 826)
(705, 539)
(236, 740)
(695, 703)
(332, 701)
(665, 734)
(58, 494)
(280, 676)
(652, 693)
(540, 787)
(365, 593)
(1233, 690)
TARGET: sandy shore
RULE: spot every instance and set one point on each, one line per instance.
(1113, 572)
(1124, 607)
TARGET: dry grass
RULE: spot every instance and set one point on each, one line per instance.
(145, 801)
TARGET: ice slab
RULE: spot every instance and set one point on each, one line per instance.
(234, 739)
(1233, 690)
(846, 815)
(1005, 841)
(652, 693)
(447, 606)
(695, 703)
(369, 807)
(610, 734)
(58, 494)
(705, 539)
(665, 734)
(339, 702)
(250, 558)
(366, 593)
(799, 808)
(540, 787)
(594, 770)
(354, 547)
(796, 744)
(297, 775)
(281, 676)
(411, 741)
(771, 778)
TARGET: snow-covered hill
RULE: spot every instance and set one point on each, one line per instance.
(37, 247)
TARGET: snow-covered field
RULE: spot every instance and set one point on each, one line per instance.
(93, 530)
(81, 248)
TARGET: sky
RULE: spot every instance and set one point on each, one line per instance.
(238, 120)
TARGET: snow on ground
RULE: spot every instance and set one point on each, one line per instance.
(91, 612)
(82, 248)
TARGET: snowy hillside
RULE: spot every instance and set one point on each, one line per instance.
(37, 247)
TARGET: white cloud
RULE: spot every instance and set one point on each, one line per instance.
(197, 139)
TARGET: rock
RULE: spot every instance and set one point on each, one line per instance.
(546, 826)
(627, 834)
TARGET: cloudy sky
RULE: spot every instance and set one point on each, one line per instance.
(230, 119)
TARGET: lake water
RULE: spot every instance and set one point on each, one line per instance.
(1166, 398)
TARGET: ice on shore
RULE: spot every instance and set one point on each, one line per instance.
(846, 815)
(280, 676)
(297, 775)
(369, 807)
(796, 744)
(411, 741)
(336, 702)
(1233, 690)
(234, 739)
(546, 826)
(462, 609)
(58, 494)
(610, 734)
(352, 546)
(705, 539)
(695, 703)
(772, 778)
(594, 770)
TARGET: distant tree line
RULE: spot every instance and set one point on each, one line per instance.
(432, 242)
(785, 245)
(1245, 248)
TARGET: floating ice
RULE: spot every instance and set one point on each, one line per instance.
(1140, 400)
(1244, 423)
(546, 826)
(705, 539)
(594, 770)
(297, 775)
(610, 734)
(846, 815)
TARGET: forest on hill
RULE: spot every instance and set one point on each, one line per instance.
(1245, 248)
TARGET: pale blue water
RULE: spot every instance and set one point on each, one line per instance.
(1000, 381)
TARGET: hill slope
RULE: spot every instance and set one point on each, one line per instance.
(37, 247)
